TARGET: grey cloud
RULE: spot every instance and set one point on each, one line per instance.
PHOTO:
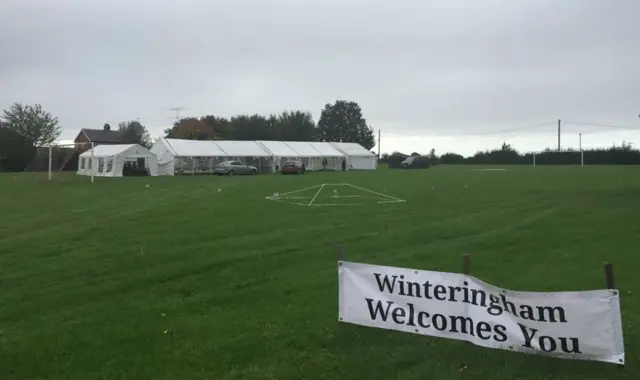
(415, 67)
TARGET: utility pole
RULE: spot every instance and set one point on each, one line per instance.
(177, 109)
(559, 126)
(581, 152)
(580, 141)
(378, 143)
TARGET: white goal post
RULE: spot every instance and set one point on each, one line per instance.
(69, 152)
(563, 152)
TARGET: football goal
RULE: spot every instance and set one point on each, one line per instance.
(65, 158)
(554, 157)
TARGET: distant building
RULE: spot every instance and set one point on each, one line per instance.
(104, 136)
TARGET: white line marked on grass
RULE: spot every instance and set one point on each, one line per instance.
(315, 196)
(301, 190)
(376, 193)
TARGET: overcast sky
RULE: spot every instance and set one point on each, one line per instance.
(428, 73)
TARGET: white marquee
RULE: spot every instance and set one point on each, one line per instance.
(177, 156)
(109, 160)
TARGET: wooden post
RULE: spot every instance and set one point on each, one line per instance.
(611, 284)
(466, 269)
(608, 274)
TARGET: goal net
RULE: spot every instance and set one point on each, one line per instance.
(554, 157)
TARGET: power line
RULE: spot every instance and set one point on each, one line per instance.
(600, 125)
(524, 128)
(406, 134)
(513, 129)
(546, 124)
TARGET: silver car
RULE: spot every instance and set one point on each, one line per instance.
(232, 168)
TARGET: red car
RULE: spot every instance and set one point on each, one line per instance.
(292, 167)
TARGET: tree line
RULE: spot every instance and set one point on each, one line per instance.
(26, 129)
(340, 121)
(623, 154)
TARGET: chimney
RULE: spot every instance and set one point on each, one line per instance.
(107, 127)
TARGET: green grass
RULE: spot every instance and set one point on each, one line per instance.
(178, 281)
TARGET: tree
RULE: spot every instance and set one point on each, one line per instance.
(293, 126)
(16, 151)
(250, 127)
(33, 123)
(219, 125)
(133, 132)
(506, 147)
(396, 158)
(343, 121)
(191, 128)
(451, 158)
(432, 155)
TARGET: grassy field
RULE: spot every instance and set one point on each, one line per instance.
(177, 280)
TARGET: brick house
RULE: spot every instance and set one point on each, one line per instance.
(104, 136)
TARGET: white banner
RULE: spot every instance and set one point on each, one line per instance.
(582, 325)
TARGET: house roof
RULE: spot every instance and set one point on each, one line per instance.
(100, 135)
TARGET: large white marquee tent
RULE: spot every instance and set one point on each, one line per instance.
(176, 156)
(110, 160)
(281, 151)
(312, 154)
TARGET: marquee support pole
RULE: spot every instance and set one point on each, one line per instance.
(340, 253)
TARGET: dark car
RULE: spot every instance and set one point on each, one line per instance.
(416, 162)
(292, 167)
